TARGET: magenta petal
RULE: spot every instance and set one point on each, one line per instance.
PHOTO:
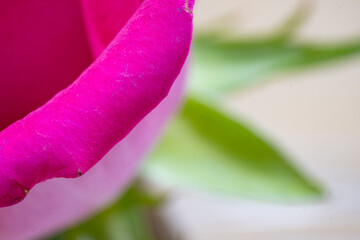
(58, 203)
(75, 129)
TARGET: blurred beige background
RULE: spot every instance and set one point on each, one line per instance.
(313, 114)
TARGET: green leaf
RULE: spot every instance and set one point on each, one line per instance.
(208, 150)
(224, 65)
(127, 219)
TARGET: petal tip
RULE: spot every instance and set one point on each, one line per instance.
(188, 6)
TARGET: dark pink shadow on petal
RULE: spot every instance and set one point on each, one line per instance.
(43, 49)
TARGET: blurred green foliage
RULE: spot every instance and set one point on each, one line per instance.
(224, 63)
(229, 65)
(205, 148)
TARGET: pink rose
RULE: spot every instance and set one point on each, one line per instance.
(45, 46)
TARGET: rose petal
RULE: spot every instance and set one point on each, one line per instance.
(103, 21)
(58, 203)
(75, 129)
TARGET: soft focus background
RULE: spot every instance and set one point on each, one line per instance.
(287, 71)
(313, 114)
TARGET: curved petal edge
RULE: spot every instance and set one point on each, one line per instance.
(77, 127)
